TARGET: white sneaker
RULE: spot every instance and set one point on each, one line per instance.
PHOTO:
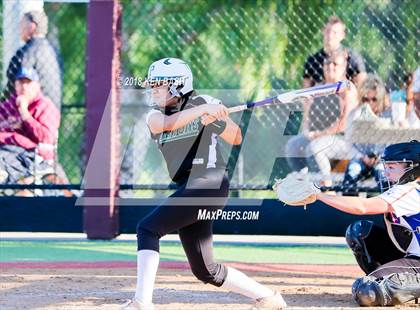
(275, 302)
(134, 304)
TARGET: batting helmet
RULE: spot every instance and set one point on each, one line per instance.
(173, 71)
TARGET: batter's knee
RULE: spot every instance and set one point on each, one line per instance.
(146, 239)
(212, 273)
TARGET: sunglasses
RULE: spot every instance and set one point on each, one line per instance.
(369, 99)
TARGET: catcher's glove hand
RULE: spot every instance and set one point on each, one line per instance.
(296, 190)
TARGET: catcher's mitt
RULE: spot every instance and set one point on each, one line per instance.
(296, 190)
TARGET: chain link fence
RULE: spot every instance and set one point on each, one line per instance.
(257, 50)
(68, 28)
(60, 64)
(240, 52)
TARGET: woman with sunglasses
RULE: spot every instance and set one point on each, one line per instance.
(389, 256)
(372, 95)
(186, 128)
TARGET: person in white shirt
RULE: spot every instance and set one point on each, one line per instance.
(390, 257)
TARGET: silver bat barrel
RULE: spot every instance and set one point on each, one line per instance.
(291, 96)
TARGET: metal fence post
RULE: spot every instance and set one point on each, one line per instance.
(101, 219)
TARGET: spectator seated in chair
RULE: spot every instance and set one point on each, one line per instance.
(372, 95)
(28, 120)
(324, 122)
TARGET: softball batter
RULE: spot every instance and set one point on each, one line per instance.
(186, 128)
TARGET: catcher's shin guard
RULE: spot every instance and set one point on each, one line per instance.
(355, 237)
(395, 289)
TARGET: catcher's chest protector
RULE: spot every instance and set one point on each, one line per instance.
(404, 232)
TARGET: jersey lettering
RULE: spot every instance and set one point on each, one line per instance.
(190, 130)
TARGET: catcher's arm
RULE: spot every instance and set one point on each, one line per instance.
(297, 190)
(356, 205)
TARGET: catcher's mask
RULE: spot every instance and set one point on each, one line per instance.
(401, 163)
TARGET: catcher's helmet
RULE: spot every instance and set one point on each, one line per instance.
(174, 72)
(406, 152)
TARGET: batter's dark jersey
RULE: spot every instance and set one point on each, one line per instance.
(192, 147)
(314, 70)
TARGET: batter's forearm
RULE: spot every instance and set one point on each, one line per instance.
(232, 133)
(180, 119)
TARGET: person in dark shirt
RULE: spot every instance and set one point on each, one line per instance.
(186, 128)
(37, 53)
(334, 32)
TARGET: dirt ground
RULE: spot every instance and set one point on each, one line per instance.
(107, 288)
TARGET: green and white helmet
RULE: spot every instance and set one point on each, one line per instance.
(173, 72)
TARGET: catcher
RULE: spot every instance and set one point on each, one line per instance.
(390, 258)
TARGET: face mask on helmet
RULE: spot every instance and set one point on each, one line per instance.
(401, 162)
(161, 92)
(398, 172)
(168, 78)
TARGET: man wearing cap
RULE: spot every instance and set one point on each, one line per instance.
(26, 120)
(37, 53)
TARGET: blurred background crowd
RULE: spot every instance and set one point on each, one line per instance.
(238, 52)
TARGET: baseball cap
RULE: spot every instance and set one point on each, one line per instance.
(27, 73)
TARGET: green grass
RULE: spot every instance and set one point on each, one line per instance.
(55, 251)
